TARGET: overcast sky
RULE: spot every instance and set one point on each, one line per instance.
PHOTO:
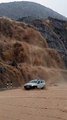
(58, 5)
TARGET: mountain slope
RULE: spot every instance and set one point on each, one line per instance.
(25, 55)
(55, 32)
(16, 10)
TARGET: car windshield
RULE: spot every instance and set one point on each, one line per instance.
(33, 81)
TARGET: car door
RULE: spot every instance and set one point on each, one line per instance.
(39, 84)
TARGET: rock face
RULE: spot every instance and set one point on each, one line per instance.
(31, 10)
(25, 55)
(55, 32)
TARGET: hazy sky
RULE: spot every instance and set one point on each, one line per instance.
(57, 5)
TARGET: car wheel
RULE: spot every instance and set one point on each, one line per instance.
(43, 87)
(35, 87)
(27, 88)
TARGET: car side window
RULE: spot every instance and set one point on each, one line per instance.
(38, 82)
(41, 81)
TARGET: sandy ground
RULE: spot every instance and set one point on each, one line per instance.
(50, 104)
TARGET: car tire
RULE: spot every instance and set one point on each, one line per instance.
(43, 87)
(27, 88)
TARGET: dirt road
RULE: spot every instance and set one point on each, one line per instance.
(50, 104)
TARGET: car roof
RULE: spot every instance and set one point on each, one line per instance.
(38, 80)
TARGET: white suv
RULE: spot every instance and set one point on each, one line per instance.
(37, 83)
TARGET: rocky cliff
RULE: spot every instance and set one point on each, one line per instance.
(55, 33)
(25, 54)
